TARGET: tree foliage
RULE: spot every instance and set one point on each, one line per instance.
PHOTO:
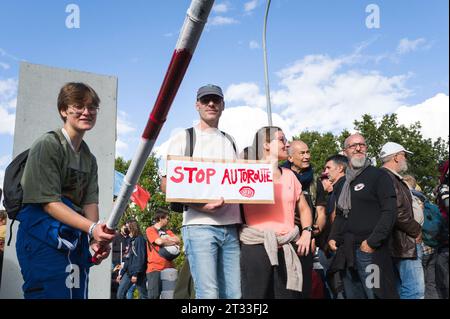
(422, 165)
(321, 147)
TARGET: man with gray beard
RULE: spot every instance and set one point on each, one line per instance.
(407, 234)
(365, 215)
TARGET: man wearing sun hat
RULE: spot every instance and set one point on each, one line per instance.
(406, 236)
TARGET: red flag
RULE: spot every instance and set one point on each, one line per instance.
(140, 197)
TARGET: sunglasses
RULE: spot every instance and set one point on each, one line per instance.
(207, 98)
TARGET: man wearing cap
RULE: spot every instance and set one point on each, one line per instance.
(365, 215)
(406, 237)
(209, 231)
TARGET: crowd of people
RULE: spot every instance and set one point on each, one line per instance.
(141, 262)
(363, 238)
(355, 232)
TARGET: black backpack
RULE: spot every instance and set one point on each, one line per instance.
(188, 152)
(12, 190)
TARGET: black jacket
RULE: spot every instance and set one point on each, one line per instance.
(406, 229)
(371, 218)
(136, 264)
(374, 209)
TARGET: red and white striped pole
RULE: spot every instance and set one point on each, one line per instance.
(194, 23)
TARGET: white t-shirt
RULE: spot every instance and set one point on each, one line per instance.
(209, 144)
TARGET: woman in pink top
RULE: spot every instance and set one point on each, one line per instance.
(270, 267)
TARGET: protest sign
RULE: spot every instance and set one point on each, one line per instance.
(191, 180)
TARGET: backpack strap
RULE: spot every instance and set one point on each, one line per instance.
(151, 245)
(190, 142)
(231, 141)
(10, 231)
(14, 219)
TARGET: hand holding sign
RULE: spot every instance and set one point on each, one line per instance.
(209, 207)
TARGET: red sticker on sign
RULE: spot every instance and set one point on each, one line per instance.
(247, 191)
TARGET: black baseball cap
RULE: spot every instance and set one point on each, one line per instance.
(209, 89)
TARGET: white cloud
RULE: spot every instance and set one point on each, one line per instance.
(123, 126)
(250, 5)
(326, 94)
(121, 148)
(7, 121)
(254, 45)
(168, 34)
(8, 98)
(433, 115)
(220, 20)
(405, 45)
(2, 177)
(220, 8)
(318, 94)
(246, 92)
(4, 161)
(8, 89)
(125, 135)
(7, 55)
(235, 121)
(4, 66)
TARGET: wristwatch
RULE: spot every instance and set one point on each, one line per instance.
(309, 228)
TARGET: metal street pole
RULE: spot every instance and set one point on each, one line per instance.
(266, 72)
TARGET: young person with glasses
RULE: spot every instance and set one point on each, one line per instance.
(59, 217)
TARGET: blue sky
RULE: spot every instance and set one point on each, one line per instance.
(326, 67)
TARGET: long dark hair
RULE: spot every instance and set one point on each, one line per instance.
(264, 135)
(133, 226)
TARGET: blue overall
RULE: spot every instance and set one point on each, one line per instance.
(54, 258)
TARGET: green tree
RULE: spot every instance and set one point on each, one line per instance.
(423, 164)
(321, 145)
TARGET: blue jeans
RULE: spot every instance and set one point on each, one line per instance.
(130, 292)
(213, 253)
(125, 285)
(356, 281)
(325, 263)
(411, 284)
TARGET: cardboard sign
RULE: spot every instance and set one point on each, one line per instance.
(191, 180)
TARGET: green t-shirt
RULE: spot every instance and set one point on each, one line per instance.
(54, 170)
